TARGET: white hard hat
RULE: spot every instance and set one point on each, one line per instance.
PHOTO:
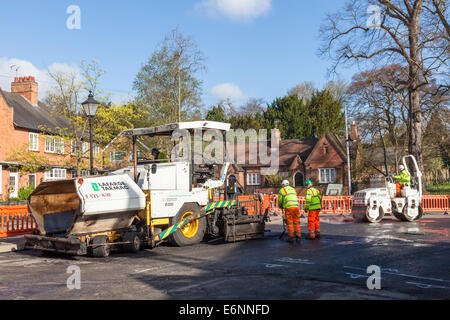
(401, 167)
(285, 183)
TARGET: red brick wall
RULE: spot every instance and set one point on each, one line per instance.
(15, 139)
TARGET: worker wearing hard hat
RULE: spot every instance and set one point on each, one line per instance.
(288, 201)
(312, 207)
(159, 156)
(403, 179)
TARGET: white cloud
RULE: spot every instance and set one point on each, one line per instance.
(239, 10)
(26, 69)
(227, 91)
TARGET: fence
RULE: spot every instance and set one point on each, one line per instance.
(16, 221)
(439, 203)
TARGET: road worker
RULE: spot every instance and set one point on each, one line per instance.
(288, 201)
(403, 179)
(159, 156)
(313, 207)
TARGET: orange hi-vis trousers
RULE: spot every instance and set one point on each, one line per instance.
(314, 224)
(293, 222)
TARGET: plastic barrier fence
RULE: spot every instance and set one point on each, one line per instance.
(16, 221)
(435, 203)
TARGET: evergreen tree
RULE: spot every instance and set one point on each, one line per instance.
(325, 113)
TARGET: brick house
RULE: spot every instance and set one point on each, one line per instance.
(323, 161)
(22, 119)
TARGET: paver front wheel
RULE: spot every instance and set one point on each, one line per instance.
(100, 247)
(192, 233)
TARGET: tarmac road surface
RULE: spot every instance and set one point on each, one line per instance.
(414, 260)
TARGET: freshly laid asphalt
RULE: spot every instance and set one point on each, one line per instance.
(414, 259)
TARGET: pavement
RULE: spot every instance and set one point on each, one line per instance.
(12, 244)
(412, 259)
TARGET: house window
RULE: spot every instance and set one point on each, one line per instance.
(327, 175)
(54, 145)
(83, 174)
(284, 174)
(116, 156)
(76, 149)
(96, 151)
(34, 142)
(253, 179)
(32, 180)
(55, 174)
(140, 155)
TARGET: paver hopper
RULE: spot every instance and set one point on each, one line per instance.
(71, 213)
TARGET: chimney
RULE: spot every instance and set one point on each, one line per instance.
(354, 131)
(27, 87)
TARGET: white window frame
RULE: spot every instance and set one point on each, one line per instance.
(33, 141)
(326, 175)
(54, 145)
(112, 156)
(96, 151)
(55, 174)
(253, 179)
(34, 175)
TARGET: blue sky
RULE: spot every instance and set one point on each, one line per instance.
(260, 48)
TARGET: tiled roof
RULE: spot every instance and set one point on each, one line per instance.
(33, 117)
(290, 149)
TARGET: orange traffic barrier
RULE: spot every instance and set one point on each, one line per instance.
(438, 203)
(16, 221)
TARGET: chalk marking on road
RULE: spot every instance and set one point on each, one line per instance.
(154, 268)
(403, 275)
(268, 265)
(426, 286)
(291, 260)
(356, 276)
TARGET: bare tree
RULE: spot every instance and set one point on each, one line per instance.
(407, 32)
(188, 60)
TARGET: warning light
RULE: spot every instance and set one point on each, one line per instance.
(80, 181)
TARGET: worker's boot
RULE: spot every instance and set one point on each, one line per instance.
(317, 234)
(310, 236)
(290, 240)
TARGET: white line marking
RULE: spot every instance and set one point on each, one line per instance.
(403, 275)
(291, 260)
(427, 286)
(268, 265)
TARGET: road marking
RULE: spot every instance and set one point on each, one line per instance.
(356, 276)
(402, 274)
(154, 268)
(291, 260)
(426, 286)
(268, 265)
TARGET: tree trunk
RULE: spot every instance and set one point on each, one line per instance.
(415, 108)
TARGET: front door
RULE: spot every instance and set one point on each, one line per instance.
(13, 183)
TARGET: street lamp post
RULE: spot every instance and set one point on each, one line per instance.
(90, 107)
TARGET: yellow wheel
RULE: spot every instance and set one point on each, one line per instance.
(191, 229)
(193, 232)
